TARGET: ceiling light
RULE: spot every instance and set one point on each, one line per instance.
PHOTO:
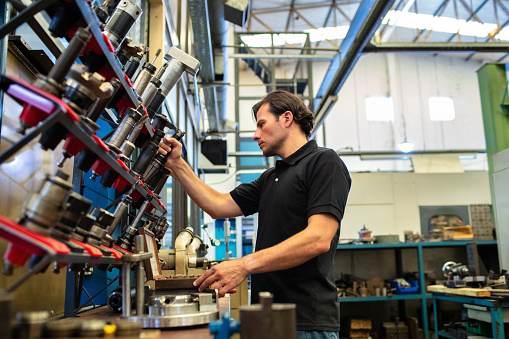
(406, 146)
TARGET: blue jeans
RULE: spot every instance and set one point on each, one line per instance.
(317, 335)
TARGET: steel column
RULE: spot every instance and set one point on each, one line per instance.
(492, 84)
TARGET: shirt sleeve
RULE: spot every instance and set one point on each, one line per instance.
(328, 186)
(247, 196)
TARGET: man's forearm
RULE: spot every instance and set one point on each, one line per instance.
(207, 198)
(292, 252)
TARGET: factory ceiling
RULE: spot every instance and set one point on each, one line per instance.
(473, 28)
(407, 23)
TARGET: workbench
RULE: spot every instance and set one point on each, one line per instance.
(494, 305)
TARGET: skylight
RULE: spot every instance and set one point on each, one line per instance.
(393, 18)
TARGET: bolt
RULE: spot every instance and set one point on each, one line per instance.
(8, 268)
(56, 268)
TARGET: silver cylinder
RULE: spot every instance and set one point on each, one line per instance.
(126, 289)
(127, 150)
(171, 76)
(149, 93)
(122, 131)
(121, 22)
(140, 281)
(119, 213)
(45, 207)
(142, 81)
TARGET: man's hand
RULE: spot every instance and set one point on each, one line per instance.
(225, 277)
(170, 145)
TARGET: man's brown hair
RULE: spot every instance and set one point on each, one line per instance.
(281, 101)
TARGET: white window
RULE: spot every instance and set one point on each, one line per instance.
(441, 109)
(379, 109)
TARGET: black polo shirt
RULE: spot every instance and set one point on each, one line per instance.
(313, 180)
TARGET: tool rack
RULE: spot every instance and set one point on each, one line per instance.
(49, 250)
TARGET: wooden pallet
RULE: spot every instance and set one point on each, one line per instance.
(470, 292)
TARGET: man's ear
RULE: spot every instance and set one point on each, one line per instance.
(287, 118)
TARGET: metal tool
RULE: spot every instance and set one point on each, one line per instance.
(120, 210)
(75, 207)
(81, 91)
(458, 275)
(129, 50)
(122, 20)
(159, 123)
(125, 241)
(73, 145)
(153, 86)
(43, 208)
(180, 63)
(131, 117)
(126, 151)
(130, 71)
(156, 175)
(53, 82)
(98, 234)
(146, 73)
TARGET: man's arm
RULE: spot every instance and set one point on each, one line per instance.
(214, 203)
(294, 251)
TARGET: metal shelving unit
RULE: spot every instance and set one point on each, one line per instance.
(422, 295)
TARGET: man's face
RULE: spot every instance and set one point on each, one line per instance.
(270, 132)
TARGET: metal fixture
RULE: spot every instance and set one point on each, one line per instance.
(180, 63)
(121, 22)
(268, 320)
(31, 116)
(146, 73)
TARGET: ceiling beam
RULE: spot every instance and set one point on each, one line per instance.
(366, 21)
(312, 26)
(433, 47)
(440, 10)
(469, 18)
(310, 5)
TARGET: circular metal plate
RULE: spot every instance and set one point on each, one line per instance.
(176, 320)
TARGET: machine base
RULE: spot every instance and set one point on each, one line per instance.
(182, 320)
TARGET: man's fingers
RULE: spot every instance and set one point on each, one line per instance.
(166, 148)
(201, 278)
(207, 283)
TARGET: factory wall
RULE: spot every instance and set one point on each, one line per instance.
(410, 79)
(388, 203)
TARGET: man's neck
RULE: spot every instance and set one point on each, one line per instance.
(292, 145)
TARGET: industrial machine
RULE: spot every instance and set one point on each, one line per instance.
(459, 275)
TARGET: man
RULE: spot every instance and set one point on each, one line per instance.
(300, 204)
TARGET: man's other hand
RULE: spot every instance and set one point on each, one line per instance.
(223, 277)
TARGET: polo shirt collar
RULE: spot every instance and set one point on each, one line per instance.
(300, 153)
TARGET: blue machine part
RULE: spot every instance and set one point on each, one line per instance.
(224, 327)
(232, 243)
